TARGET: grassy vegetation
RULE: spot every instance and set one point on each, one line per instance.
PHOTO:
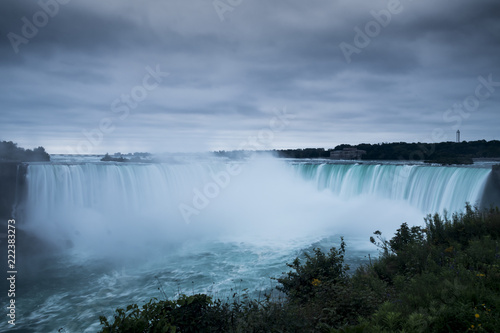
(441, 278)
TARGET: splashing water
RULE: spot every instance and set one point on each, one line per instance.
(120, 228)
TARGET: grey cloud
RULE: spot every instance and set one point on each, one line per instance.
(225, 76)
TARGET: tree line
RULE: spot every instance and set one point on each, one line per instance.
(10, 152)
(442, 152)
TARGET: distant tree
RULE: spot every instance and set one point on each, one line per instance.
(9, 151)
(442, 152)
(108, 158)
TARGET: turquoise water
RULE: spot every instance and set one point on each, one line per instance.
(115, 233)
(430, 188)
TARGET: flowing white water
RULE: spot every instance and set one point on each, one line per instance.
(202, 227)
(430, 188)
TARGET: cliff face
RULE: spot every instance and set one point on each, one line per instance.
(496, 173)
(492, 190)
(12, 181)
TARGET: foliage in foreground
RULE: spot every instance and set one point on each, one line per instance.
(441, 278)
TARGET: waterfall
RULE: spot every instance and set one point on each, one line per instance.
(106, 206)
(111, 232)
(429, 188)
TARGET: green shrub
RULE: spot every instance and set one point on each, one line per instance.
(302, 283)
(186, 314)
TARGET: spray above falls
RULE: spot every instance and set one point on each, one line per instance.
(104, 206)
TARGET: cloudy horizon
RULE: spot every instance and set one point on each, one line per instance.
(186, 76)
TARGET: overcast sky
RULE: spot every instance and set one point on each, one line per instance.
(88, 76)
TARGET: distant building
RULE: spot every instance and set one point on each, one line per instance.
(458, 136)
(347, 154)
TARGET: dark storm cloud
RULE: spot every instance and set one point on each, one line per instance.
(73, 28)
(226, 77)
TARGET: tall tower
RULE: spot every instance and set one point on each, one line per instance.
(458, 136)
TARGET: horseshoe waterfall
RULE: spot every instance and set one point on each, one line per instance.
(102, 235)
